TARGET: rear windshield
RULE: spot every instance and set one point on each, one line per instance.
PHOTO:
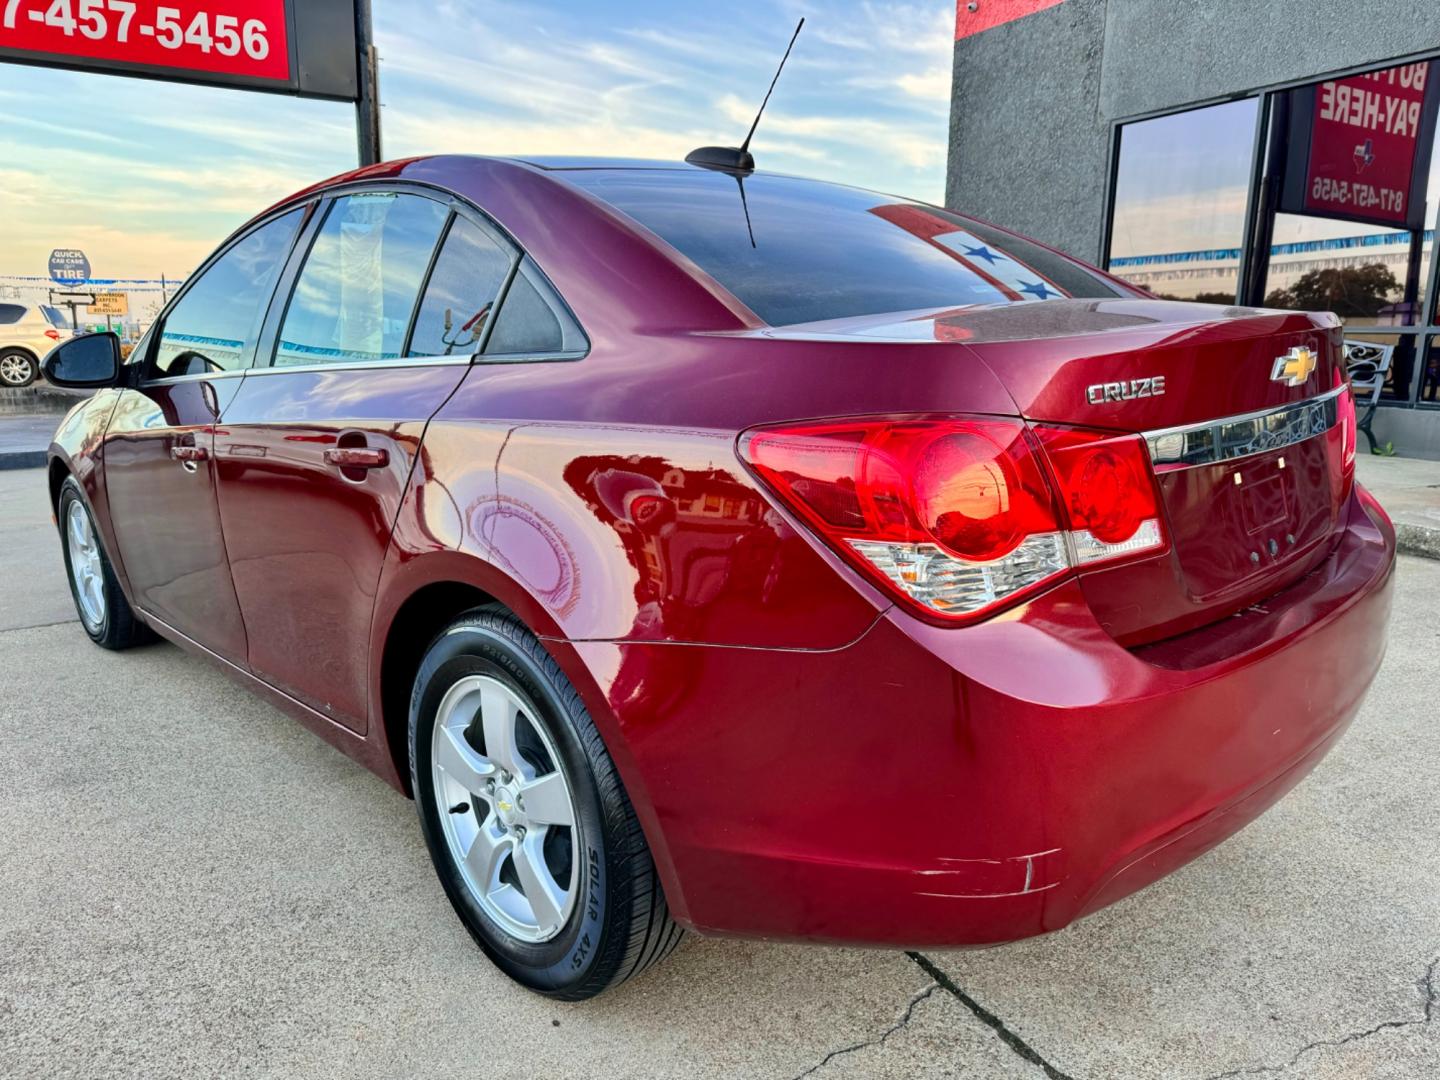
(53, 315)
(809, 251)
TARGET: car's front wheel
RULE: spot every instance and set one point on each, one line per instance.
(17, 368)
(530, 830)
(104, 612)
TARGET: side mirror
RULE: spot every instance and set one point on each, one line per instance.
(87, 362)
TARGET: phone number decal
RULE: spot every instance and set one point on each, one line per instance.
(1327, 193)
(230, 37)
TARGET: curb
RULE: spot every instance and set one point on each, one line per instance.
(39, 398)
(1421, 540)
(35, 459)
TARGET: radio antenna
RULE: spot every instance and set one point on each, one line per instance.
(738, 159)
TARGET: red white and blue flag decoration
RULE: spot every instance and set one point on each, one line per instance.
(1016, 280)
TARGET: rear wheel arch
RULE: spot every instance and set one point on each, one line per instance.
(415, 624)
(433, 589)
(440, 587)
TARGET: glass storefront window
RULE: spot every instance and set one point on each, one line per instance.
(1357, 271)
(1430, 381)
(1350, 184)
(1181, 185)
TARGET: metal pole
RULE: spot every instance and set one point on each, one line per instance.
(367, 102)
(1256, 273)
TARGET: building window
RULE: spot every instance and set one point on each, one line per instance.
(1181, 188)
(1354, 233)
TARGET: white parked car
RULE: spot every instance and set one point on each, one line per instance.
(27, 333)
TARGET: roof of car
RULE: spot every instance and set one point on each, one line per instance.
(560, 162)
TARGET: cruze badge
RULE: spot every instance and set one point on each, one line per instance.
(1294, 367)
(1102, 392)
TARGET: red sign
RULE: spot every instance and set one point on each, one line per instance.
(246, 39)
(973, 16)
(1367, 135)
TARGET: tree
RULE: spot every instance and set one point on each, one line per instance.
(1354, 290)
(1201, 298)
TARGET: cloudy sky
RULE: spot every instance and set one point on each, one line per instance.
(147, 177)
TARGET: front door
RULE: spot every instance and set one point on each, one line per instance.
(158, 454)
(314, 453)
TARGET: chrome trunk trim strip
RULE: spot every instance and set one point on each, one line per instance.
(1232, 437)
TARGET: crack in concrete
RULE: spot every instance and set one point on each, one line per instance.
(37, 626)
(989, 1019)
(880, 1040)
(1427, 1014)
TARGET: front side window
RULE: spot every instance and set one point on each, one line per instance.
(357, 290)
(461, 293)
(214, 325)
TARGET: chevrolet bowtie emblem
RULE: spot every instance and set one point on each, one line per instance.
(1294, 367)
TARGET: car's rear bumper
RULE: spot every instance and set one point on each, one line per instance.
(927, 786)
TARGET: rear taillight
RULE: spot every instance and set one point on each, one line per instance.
(960, 517)
(1107, 489)
(1345, 421)
(53, 334)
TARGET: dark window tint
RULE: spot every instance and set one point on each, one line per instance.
(11, 313)
(53, 315)
(357, 290)
(809, 251)
(458, 300)
(213, 325)
(532, 320)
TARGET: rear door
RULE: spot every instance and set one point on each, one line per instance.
(159, 473)
(314, 452)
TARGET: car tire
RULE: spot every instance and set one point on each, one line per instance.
(104, 612)
(566, 910)
(18, 368)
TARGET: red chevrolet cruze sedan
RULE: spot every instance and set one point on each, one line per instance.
(736, 552)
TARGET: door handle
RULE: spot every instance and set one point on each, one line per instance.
(357, 457)
(189, 454)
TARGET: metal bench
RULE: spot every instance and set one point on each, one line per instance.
(1367, 364)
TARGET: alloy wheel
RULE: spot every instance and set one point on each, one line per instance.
(505, 807)
(86, 569)
(15, 370)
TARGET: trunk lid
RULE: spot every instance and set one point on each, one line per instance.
(1251, 503)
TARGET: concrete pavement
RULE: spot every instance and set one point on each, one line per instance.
(192, 885)
(1409, 489)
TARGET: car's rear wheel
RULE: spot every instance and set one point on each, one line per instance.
(531, 832)
(104, 612)
(17, 368)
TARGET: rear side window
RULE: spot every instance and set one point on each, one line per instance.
(460, 296)
(214, 325)
(533, 321)
(11, 313)
(357, 290)
(802, 251)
